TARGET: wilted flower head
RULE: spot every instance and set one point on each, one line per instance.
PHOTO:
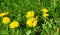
(58, 30)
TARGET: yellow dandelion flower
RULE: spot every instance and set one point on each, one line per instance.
(45, 15)
(30, 14)
(3, 14)
(6, 20)
(31, 22)
(14, 24)
(45, 10)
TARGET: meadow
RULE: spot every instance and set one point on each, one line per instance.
(29, 17)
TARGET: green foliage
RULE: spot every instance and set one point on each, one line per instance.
(17, 10)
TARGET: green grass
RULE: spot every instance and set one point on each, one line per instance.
(17, 10)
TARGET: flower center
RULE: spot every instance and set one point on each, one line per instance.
(33, 21)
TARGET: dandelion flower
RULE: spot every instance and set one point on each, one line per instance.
(45, 10)
(3, 14)
(6, 20)
(30, 14)
(14, 24)
(31, 22)
(45, 15)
